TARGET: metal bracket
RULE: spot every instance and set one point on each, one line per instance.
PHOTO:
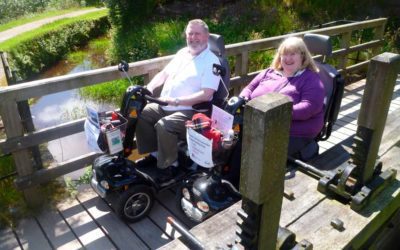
(372, 189)
(342, 183)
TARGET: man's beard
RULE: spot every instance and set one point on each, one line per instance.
(197, 47)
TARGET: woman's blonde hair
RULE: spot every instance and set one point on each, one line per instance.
(294, 44)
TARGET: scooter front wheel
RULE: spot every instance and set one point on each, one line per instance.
(135, 203)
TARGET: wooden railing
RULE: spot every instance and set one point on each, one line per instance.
(18, 142)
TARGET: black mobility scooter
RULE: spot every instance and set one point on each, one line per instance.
(206, 193)
(128, 188)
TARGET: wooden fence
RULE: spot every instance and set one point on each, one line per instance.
(18, 142)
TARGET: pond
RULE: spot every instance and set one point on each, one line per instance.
(57, 108)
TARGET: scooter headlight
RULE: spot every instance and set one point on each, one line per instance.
(203, 206)
(105, 184)
(185, 193)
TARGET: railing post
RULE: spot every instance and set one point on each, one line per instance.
(344, 44)
(241, 67)
(23, 164)
(381, 79)
(264, 154)
(23, 108)
(378, 34)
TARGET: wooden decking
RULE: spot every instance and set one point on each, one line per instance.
(88, 222)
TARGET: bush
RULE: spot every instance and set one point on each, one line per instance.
(30, 57)
(126, 14)
(133, 46)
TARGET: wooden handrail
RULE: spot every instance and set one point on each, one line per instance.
(18, 142)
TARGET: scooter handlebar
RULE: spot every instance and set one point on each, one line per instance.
(155, 100)
(123, 66)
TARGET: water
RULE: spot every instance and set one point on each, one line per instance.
(57, 108)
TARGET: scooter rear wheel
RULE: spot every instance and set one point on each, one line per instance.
(135, 203)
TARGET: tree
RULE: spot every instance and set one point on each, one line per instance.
(127, 14)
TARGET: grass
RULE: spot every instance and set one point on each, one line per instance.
(10, 198)
(54, 26)
(12, 203)
(36, 17)
(110, 92)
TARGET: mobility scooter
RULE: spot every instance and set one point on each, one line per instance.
(128, 188)
(205, 193)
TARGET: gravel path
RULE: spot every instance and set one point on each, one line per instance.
(10, 33)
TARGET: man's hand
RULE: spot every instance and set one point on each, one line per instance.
(171, 101)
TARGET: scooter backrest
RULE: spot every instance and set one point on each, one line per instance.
(333, 82)
(318, 44)
(217, 46)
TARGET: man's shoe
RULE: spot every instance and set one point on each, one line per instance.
(146, 161)
(167, 175)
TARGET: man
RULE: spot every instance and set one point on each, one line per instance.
(187, 80)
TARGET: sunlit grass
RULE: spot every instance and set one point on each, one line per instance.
(111, 92)
(100, 44)
(76, 56)
(36, 17)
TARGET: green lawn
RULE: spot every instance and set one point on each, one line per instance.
(6, 45)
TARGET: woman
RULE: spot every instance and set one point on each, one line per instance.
(294, 74)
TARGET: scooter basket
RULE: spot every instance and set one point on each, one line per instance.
(105, 131)
(112, 133)
(208, 152)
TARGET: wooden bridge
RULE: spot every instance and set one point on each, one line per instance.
(86, 221)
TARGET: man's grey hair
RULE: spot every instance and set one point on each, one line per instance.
(199, 22)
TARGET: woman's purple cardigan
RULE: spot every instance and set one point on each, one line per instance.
(305, 90)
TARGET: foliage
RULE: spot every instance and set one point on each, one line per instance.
(10, 198)
(72, 185)
(11, 9)
(112, 91)
(15, 9)
(169, 36)
(12, 203)
(132, 38)
(30, 57)
(133, 46)
(126, 14)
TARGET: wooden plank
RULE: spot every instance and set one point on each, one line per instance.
(212, 236)
(122, 236)
(23, 164)
(234, 49)
(150, 233)
(305, 187)
(57, 231)
(48, 174)
(159, 215)
(41, 136)
(87, 231)
(305, 197)
(48, 86)
(391, 133)
(8, 240)
(31, 235)
(315, 224)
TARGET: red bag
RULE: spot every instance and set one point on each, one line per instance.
(202, 124)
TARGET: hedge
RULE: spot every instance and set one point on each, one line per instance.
(31, 57)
